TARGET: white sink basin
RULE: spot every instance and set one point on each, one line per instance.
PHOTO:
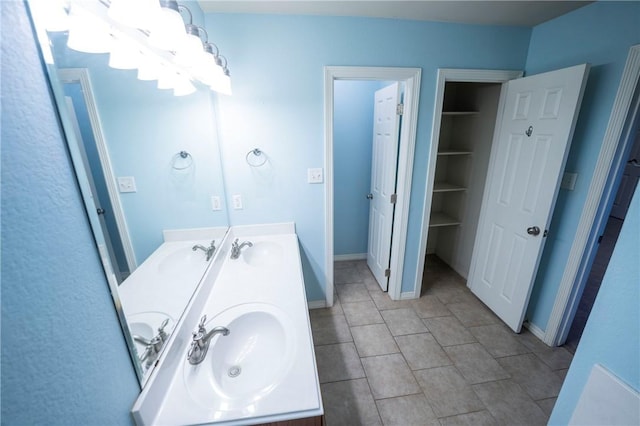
(181, 260)
(263, 254)
(248, 363)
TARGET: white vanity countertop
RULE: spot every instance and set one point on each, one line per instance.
(267, 279)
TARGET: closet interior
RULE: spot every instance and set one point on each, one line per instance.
(467, 125)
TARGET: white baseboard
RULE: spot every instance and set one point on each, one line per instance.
(353, 256)
(407, 295)
(535, 330)
(317, 304)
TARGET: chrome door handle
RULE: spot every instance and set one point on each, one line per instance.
(533, 230)
(100, 210)
(369, 196)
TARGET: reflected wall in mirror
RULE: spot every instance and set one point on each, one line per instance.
(149, 167)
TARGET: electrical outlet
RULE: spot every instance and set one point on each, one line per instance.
(314, 175)
(127, 184)
(215, 203)
(237, 202)
(569, 181)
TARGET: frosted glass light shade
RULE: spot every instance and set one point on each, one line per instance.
(183, 86)
(123, 55)
(52, 13)
(88, 33)
(188, 53)
(167, 78)
(167, 31)
(148, 68)
(134, 13)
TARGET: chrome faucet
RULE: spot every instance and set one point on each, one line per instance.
(201, 340)
(208, 250)
(153, 346)
(235, 248)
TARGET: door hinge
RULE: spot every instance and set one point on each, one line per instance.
(400, 109)
(394, 198)
(387, 272)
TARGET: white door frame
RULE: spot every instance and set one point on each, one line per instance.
(411, 79)
(452, 75)
(610, 160)
(81, 76)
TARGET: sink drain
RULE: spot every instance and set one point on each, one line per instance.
(234, 371)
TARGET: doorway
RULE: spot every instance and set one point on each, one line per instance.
(410, 79)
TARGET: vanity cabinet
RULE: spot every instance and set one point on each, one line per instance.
(464, 143)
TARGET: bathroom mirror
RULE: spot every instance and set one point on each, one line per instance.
(147, 162)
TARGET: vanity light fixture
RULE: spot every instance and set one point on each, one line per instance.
(154, 39)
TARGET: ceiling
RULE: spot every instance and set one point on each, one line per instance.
(520, 13)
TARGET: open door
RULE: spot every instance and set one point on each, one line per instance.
(386, 128)
(527, 160)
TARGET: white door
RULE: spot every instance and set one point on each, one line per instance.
(386, 128)
(527, 160)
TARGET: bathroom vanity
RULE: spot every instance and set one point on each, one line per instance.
(263, 371)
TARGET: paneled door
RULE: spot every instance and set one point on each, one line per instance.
(386, 129)
(527, 160)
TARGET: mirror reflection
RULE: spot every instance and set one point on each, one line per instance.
(149, 166)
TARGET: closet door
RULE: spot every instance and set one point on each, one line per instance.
(527, 160)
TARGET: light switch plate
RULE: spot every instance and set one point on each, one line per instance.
(215, 203)
(569, 181)
(314, 175)
(127, 184)
(237, 202)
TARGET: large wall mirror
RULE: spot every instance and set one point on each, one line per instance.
(149, 169)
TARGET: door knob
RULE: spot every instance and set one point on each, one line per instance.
(369, 196)
(100, 210)
(533, 230)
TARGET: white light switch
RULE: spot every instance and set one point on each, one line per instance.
(314, 175)
(569, 181)
(127, 184)
(237, 202)
(215, 203)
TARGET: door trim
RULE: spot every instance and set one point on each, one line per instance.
(452, 75)
(81, 76)
(411, 78)
(599, 195)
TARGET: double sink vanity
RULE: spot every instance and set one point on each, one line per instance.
(258, 365)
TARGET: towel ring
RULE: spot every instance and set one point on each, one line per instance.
(182, 161)
(256, 153)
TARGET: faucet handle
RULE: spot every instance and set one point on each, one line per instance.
(163, 325)
(201, 325)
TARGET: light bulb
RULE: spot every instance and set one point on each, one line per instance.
(183, 86)
(188, 53)
(167, 78)
(148, 68)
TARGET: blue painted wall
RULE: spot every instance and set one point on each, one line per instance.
(353, 139)
(612, 334)
(600, 34)
(64, 359)
(277, 64)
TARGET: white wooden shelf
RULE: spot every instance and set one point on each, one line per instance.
(442, 219)
(447, 187)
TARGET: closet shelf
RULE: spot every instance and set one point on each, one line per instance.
(454, 152)
(442, 219)
(459, 113)
(447, 187)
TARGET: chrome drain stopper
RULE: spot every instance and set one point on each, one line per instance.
(234, 371)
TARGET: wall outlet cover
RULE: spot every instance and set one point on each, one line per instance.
(127, 184)
(314, 175)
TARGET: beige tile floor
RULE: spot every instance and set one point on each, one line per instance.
(444, 359)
